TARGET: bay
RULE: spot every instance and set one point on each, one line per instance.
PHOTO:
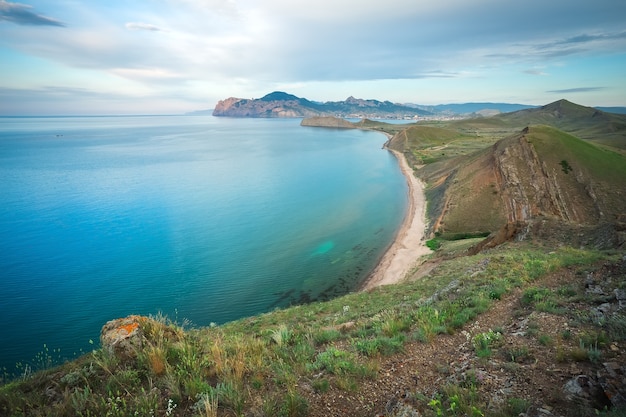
(199, 218)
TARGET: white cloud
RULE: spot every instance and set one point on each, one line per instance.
(535, 71)
(142, 26)
(146, 74)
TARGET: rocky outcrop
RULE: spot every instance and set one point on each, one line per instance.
(531, 187)
(123, 337)
(126, 337)
(527, 187)
(236, 107)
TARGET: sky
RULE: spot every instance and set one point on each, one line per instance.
(72, 57)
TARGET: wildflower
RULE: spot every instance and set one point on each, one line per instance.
(171, 405)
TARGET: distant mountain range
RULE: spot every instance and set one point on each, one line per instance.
(472, 108)
(280, 104)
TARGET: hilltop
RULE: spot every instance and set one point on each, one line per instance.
(584, 122)
(519, 311)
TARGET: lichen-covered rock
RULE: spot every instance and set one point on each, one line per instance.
(588, 392)
(126, 337)
(123, 337)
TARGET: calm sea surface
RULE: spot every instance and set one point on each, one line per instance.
(199, 218)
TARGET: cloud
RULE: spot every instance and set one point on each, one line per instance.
(534, 72)
(143, 26)
(21, 14)
(583, 42)
(548, 49)
(587, 38)
(577, 90)
(146, 74)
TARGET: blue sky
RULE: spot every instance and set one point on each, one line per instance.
(172, 56)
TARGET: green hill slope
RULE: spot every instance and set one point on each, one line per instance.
(423, 144)
(540, 172)
(584, 122)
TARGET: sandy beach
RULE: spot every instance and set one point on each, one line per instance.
(409, 244)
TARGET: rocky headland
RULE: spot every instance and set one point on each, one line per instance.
(280, 104)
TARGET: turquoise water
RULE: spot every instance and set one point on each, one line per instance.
(199, 218)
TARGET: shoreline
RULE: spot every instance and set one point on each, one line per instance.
(409, 244)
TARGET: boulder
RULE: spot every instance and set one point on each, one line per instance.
(123, 337)
(587, 392)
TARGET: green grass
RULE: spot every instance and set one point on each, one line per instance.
(571, 153)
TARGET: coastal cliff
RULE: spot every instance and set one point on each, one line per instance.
(276, 104)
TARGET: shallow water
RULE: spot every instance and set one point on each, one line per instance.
(200, 218)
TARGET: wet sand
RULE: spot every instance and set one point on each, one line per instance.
(409, 244)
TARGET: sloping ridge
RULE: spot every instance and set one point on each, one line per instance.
(539, 174)
(584, 122)
(533, 184)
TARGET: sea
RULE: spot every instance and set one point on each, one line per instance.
(201, 219)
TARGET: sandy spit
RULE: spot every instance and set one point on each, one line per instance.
(409, 244)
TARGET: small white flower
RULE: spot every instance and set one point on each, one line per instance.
(171, 405)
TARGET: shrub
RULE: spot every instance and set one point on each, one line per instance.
(517, 406)
(383, 345)
(518, 354)
(326, 336)
(294, 405)
(483, 342)
(321, 385)
(433, 244)
(282, 335)
(545, 340)
(335, 361)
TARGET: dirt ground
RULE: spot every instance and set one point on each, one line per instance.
(533, 361)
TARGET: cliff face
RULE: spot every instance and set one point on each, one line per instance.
(539, 174)
(223, 105)
(530, 188)
(236, 107)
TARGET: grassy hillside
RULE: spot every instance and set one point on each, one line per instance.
(445, 344)
(541, 172)
(584, 122)
(423, 144)
(600, 163)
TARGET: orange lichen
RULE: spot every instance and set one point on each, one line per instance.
(129, 328)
